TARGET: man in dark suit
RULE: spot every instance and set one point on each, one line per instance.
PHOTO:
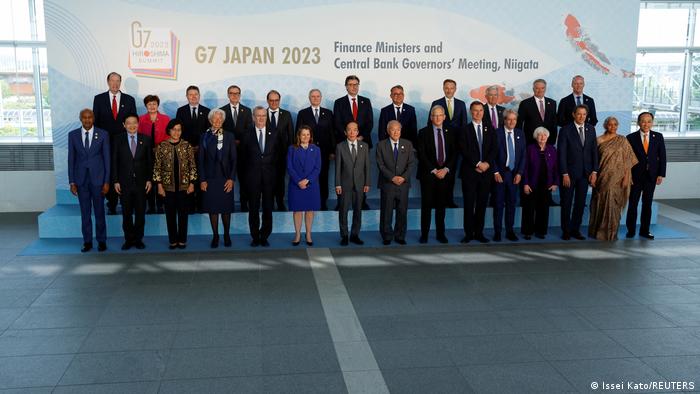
(280, 120)
(578, 165)
(508, 170)
(351, 181)
(477, 145)
(395, 160)
(398, 110)
(569, 103)
(437, 156)
(262, 150)
(193, 116)
(110, 109)
(493, 113)
(321, 122)
(88, 175)
(132, 170)
(649, 172)
(239, 121)
(537, 111)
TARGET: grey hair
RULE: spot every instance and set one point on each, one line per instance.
(508, 112)
(538, 80)
(393, 123)
(540, 130)
(259, 108)
(608, 120)
(315, 90)
(577, 77)
(216, 111)
(434, 107)
(492, 87)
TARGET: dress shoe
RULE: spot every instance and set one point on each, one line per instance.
(281, 207)
(423, 239)
(647, 235)
(356, 240)
(139, 245)
(578, 236)
(151, 211)
(465, 240)
(386, 242)
(172, 246)
(255, 243)
(497, 237)
(451, 204)
(87, 246)
(400, 241)
(344, 241)
(181, 246)
(629, 234)
(227, 240)
(111, 211)
(365, 206)
(566, 236)
(161, 210)
(540, 236)
(214, 242)
(442, 239)
(527, 237)
(482, 239)
(263, 242)
(511, 237)
(101, 246)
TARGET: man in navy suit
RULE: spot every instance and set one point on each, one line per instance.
(578, 165)
(493, 113)
(88, 175)
(263, 149)
(649, 172)
(110, 109)
(400, 111)
(194, 118)
(537, 111)
(280, 120)
(456, 120)
(477, 145)
(508, 171)
(239, 121)
(132, 170)
(569, 103)
(353, 108)
(321, 122)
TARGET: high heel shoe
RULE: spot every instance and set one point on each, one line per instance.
(296, 243)
(309, 243)
(227, 240)
(215, 242)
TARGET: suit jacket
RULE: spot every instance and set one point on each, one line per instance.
(88, 166)
(427, 153)
(132, 172)
(263, 164)
(323, 131)
(469, 148)
(342, 111)
(652, 163)
(243, 123)
(502, 151)
(192, 129)
(409, 126)
(575, 159)
(532, 165)
(206, 156)
(567, 106)
(389, 168)
(102, 107)
(529, 118)
(487, 116)
(285, 127)
(459, 113)
(349, 174)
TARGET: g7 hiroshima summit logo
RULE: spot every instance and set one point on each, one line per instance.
(153, 52)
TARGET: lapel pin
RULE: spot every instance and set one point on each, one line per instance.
(140, 142)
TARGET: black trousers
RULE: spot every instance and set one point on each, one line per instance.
(475, 190)
(155, 200)
(133, 213)
(242, 183)
(260, 191)
(280, 184)
(393, 199)
(645, 190)
(535, 217)
(176, 216)
(434, 195)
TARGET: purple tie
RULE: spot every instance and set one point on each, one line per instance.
(541, 109)
(493, 118)
(441, 149)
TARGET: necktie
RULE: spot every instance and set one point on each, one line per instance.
(541, 109)
(273, 121)
(194, 113)
(396, 151)
(114, 106)
(316, 114)
(353, 151)
(354, 109)
(398, 113)
(511, 151)
(261, 141)
(87, 140)
(479, 139)
(153, 132)
(235, 116)
(133, 145)
(645, 142)
(494, 119)
(581, 135)
(449, 108)
(441, 149)
(578, 100)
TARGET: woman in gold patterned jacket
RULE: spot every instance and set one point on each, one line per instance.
(175, 171)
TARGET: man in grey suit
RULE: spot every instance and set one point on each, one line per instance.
(395, 160)
(351, 181)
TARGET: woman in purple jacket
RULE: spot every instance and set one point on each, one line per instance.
(540, 179)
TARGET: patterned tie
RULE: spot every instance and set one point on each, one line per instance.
(261, 141)
(316, 114)
(133, 145)
(87, 140)
(353, 152)
(645, 142)
(479, 139)
(114, 106)
(494, 119)
(541, 105)
(582, 135)
(511, 150)
(396, 151)
(578, 100)
(354, 109)
(273, 121)
(441, 149)
(449, 108)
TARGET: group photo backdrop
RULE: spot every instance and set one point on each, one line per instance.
(161, 47)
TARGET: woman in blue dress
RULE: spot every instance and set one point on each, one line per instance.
(303, 166)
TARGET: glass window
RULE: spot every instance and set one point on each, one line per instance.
(14, 20)
(17, 101)
(657, 88)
